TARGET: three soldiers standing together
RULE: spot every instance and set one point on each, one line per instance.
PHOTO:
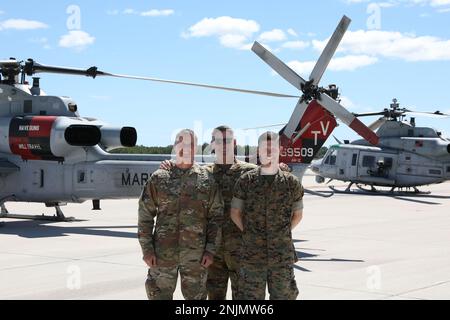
(229, 220)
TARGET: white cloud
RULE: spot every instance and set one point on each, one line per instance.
(302, 67)
(438, 3)
(351, 62)
(157, 13)
(231, 32)
(292, 32)
(236, 41)
(223, 25)
(392, 44)
(272, 36)
(2, 12)
(148, 13)
(295, 44)
(345, 63)
(22, 24)
(76, 39)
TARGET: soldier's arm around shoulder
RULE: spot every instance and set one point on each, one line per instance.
(297, 203)
(148, 208)
(215, 218)
(239, 198)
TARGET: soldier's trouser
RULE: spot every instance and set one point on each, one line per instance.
(161, 282)
(280, 282)
(225, 266)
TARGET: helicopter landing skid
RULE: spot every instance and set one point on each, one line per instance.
(323, 194)
(374, 191)
(399, 191)
(60, 217)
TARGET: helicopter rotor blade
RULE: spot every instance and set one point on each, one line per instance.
(193, 84)
(377, 123)
(436, 114)
(268, 126)
(31, 67)
(278, 66)
(295, 118)
(348, 118)
(330, 49)
(370, 114)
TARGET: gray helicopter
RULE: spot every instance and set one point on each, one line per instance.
(52, 155)
(407, 156)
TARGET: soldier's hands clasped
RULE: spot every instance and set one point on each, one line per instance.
(150, 260)
(207, 259)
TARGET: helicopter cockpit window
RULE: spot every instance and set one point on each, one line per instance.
(368, 161)
(332, 157)
(327, 156)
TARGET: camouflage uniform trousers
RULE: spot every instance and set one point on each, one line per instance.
(225, 266)
(280, 282)
(161, 281)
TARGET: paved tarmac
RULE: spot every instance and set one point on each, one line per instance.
(350, 247)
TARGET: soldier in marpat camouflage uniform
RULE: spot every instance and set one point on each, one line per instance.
(266, 206)
(188, 209)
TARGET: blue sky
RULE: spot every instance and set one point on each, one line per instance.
(395, 48)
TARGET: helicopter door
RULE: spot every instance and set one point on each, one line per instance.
(366, 164)
(377, 167)
(352, 164)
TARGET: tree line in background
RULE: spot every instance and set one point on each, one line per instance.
(241, 150)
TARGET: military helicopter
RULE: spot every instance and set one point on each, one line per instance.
(407, 156)
(52, 155)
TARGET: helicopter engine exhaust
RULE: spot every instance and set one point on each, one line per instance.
(117, 137)
(82, 135)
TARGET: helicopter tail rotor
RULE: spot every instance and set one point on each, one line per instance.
(311, 91)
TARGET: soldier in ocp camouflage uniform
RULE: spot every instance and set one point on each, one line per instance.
(189, 210)
(267, 204)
